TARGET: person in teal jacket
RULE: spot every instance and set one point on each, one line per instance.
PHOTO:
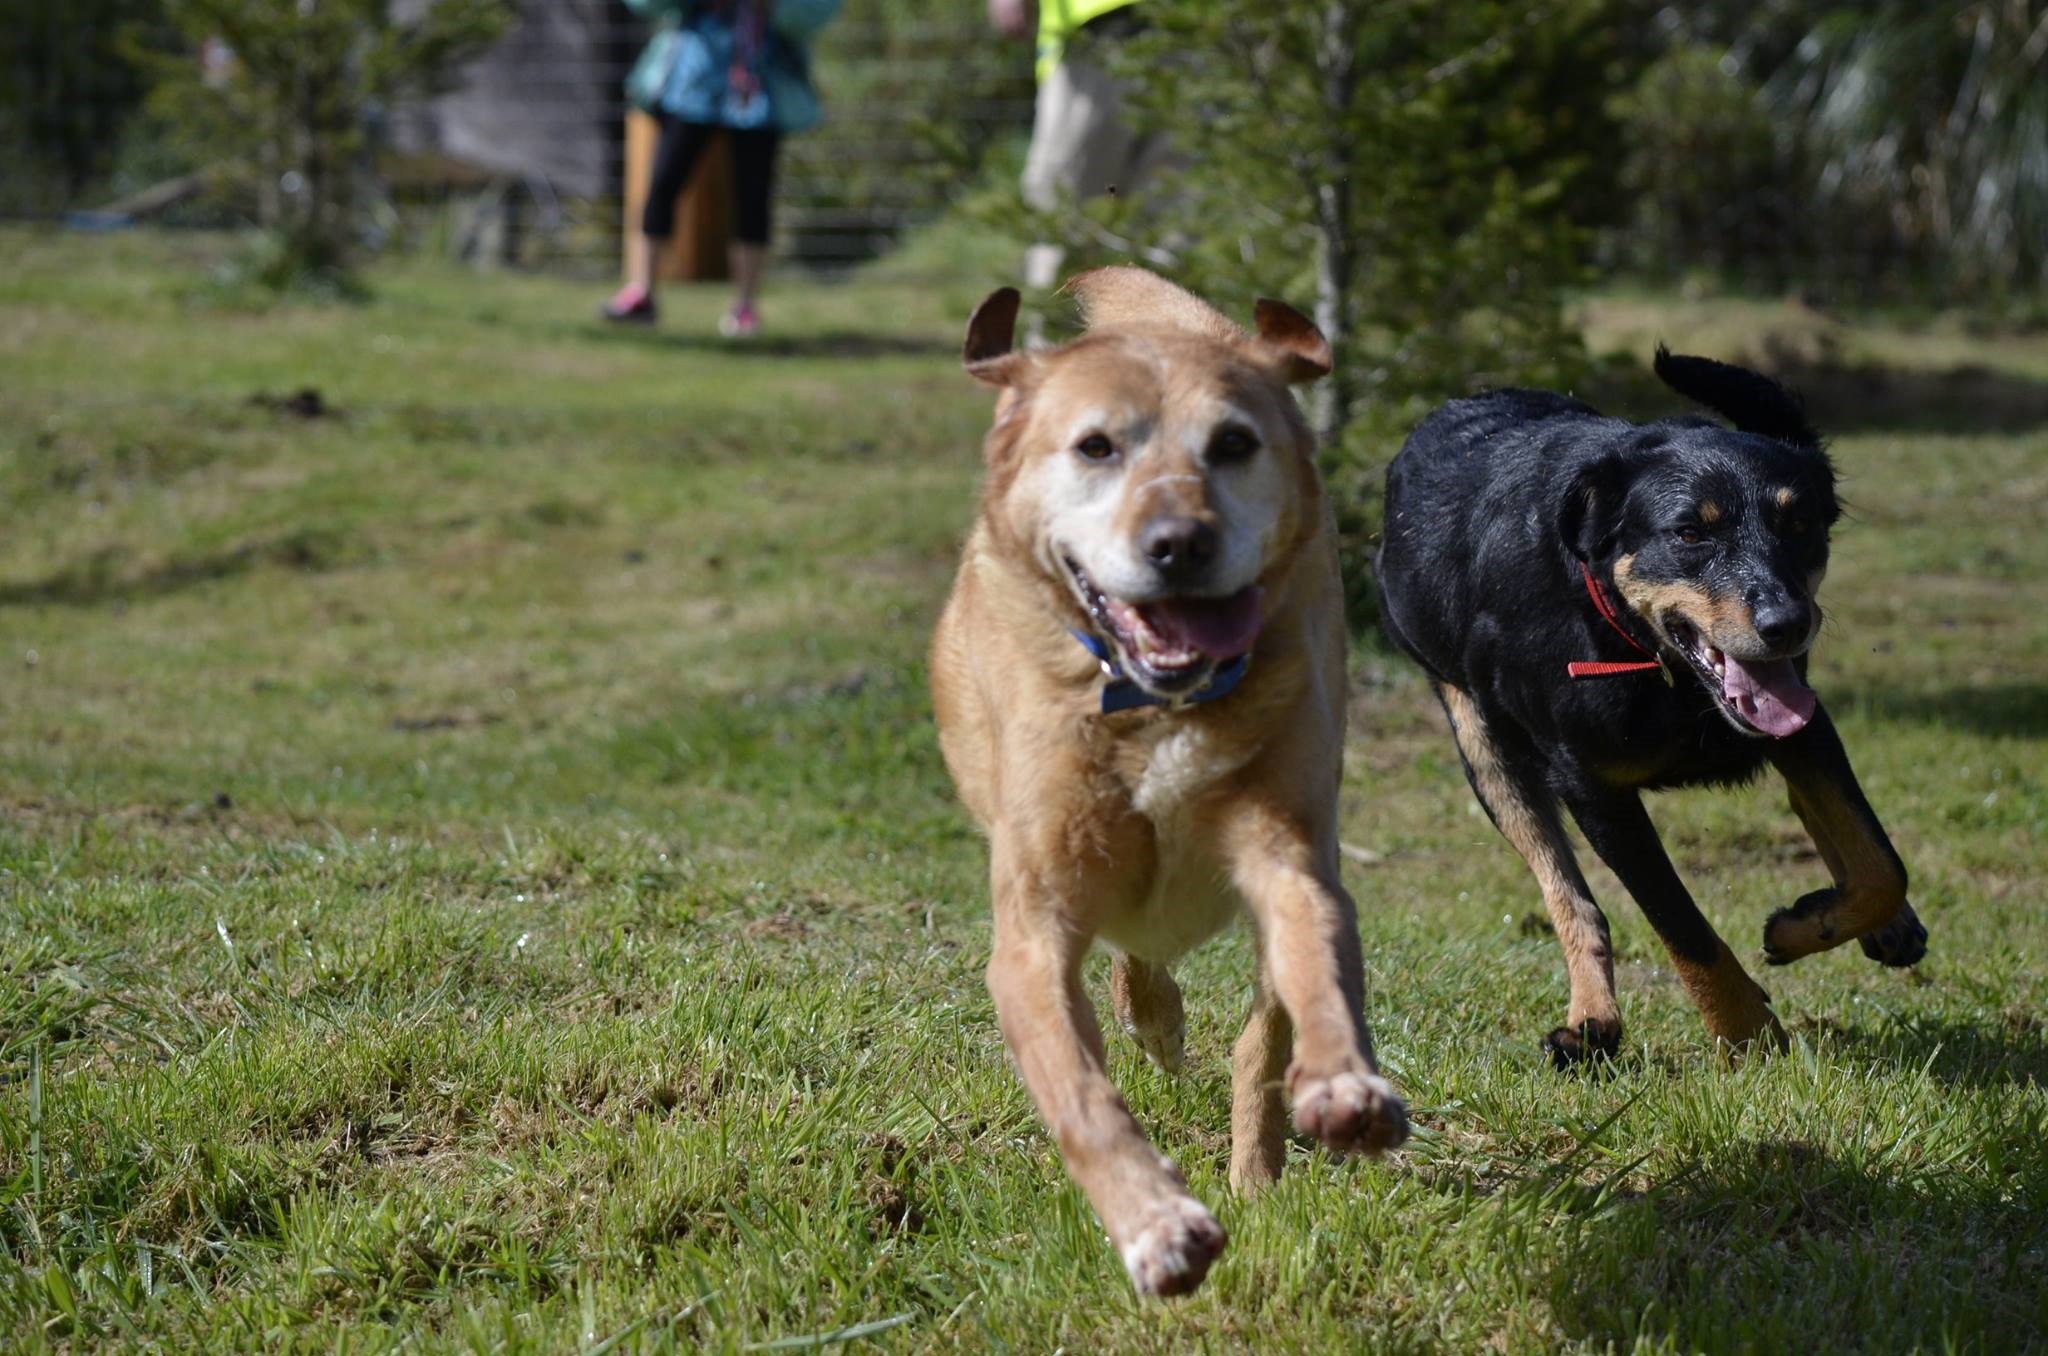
(737, 67)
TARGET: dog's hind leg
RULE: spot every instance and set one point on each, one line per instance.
(1166, 1237)
(1868, 899)
(1148, 1008)
(1258, 1110)
(1736, 1010)
(1509, 789)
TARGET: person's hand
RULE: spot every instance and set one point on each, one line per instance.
(1011, 18)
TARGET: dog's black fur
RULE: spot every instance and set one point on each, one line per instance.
(1495, 506)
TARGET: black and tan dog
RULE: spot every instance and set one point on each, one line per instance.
(1608, 608)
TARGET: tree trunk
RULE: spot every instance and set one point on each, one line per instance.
(1335, 262)
(1330, 409)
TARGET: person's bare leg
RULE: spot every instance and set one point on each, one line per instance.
(634, 301)
(641, 251)
(748, 263)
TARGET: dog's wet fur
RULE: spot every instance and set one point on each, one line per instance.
(1708, 544)
(1152, 486)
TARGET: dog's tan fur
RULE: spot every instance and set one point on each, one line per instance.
(1151, 829)
(1528, 820)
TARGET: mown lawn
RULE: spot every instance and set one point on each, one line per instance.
(476, 873)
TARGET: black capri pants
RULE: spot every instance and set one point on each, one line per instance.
(753, 172)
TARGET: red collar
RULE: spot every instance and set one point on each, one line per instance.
(1597, 668)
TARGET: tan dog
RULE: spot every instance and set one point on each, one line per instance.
(1152, 499)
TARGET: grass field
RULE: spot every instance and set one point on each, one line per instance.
(476, 874)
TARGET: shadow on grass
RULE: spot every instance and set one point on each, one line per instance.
(102, 577)
(1994, 709)
(2010, 1051)
(843, 344)
(1853, 397)
(1876, 397)
(1780, 1246)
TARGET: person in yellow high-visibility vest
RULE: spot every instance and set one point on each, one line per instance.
(1081, 147)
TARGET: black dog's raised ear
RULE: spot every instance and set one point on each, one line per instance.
(1749, 400)
(1589, 515)
(989, 354)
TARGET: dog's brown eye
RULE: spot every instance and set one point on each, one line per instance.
(1095, 447)
(1232, 444)
(1691, 536)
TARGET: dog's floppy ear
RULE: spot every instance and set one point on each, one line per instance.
(1304, 353)
(1589, 514)
(989, 354)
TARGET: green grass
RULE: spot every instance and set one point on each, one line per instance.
(476, 874)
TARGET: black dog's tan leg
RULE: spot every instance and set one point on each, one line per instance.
(1735, 1009)
(1258, 1113)
(1868, 899)
(1526, 815)
(1167, 1239)
(1148, 1008)
(1308, 932)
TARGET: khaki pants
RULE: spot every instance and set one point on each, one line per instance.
(1081, 148)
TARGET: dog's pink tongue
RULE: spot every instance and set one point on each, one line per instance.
(1221, 628)
(1769, 695)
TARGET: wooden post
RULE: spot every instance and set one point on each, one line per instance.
(697, 251)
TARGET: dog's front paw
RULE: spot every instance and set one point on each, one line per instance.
(1574, 1047)
(1175, 1242)
(1807, 926)
(1351, 1112)
(1901, 942)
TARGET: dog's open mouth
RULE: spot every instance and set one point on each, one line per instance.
(1760, 696)
(1172, 645)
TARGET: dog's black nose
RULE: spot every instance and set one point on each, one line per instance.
(1783, 624)
(1178, 545)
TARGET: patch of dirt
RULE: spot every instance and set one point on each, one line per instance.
(887, 1193)
(446, 720)
(782, 924)
(304, 403)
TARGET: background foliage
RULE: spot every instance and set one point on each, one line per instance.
(1421, 172)
(1878, 150)
(69, 89)
(286, 104)
(1860, 150)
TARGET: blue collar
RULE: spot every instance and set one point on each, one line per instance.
(1124, 694)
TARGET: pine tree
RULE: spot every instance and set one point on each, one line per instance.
(1427, 172)
(280, 91)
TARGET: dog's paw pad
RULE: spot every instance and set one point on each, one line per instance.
(1173, 1247)
(1590, 1042)
(1352, 1112)
(1901, 942)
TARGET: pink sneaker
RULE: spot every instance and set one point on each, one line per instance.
(630, 305)
(739, 323)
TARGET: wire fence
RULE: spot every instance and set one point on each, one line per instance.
(534, 137)
(523, 161)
